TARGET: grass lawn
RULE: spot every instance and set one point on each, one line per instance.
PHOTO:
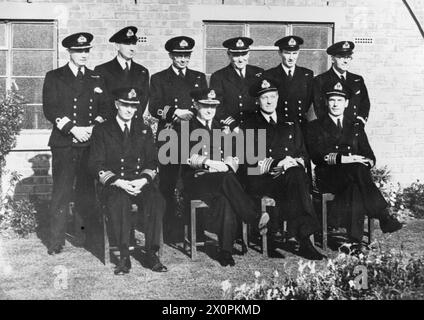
(28, 272)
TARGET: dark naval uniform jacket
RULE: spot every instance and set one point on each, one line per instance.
(115, 77)
(295, 96)
(169, 92)
(68, 103)
(359, 102)
(236, 101)
(111, 159)
(356, 195)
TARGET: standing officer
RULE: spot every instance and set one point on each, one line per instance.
(234, 81)
(73, 101)
(281, 174)
(171, 103)
(210, 176)
(124, 158)
(343, 157)
(294, 83)
(122, 71)
(359, 103)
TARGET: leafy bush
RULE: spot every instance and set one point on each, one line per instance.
(17, 216)
(388, 275)
(11, 115)
(413, 197)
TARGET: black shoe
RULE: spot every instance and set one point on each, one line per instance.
(122, 266)
(308, 251)
(226, 259)
(390, 224)
(154, 263)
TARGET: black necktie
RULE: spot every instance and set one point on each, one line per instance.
(79, 73)
(240, 73)
(271, 121)
(208, 124)
(343, 78)
(339, 125)
(181, 73)
(126, 133)
(290, 76)
(127, 68)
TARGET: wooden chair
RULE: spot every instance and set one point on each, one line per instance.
(325, 198)
(192, 241)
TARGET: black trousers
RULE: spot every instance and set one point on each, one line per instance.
(118, 205)
(291, 190)
(168, 177)
(227, 202)
(356, 195)
(71, 181)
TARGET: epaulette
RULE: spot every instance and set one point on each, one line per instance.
(95, 76)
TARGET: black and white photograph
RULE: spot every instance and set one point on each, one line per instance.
(211, 150)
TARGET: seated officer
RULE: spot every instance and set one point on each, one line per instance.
(124, 158)
(281, 173)
(212, 179)
(343, 157)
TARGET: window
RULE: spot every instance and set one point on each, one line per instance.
(27, 52)
(317, 36)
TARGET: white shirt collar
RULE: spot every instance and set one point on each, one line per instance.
(335, 118)
(122, 123)
(176, 70)
(74, 68)
(286, 70)
(269, 116)
(204, 122)
(122, 62)
(339, 74)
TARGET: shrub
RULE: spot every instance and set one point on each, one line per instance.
(17, 216)
(413, 197)
(388, 275)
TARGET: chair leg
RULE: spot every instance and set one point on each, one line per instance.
(106, 241)
(284, 231)
(370, 229)
(264, 245)
(193, 239)
(245, 240)
(161, 243)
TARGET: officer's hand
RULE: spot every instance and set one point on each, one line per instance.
(183, 114)
(226, 129)
(126, 186)
(80, 133)
(287, 163)
(139, 183)
(216, 166)
(300, 161)
(89, 130)
(354, 158)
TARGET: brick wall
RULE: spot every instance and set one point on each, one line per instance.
(393, 66)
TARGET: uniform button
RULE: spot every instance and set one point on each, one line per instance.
(300, 120)
(204, 146)
(241, 113)
(75, 99)
(90, 122)
(122, 168)
(90, 107)
(176, 106)
(286, 149)
(74, 121)
(290, 137)
(354, 107)
(286, 109)
(356, 134)
(138, 159)
(285, 102)
(354, 113)
(136, 116)
(176, 100)
(270, 150)
(122, 160)
(205, 153)
(300, 114)
(221, 151)
(75, 107)
(286, 115)
(138, 167)
(91, 100)
(300, 101)
(240, 97)
(241, 104)
(136, 172)
(122, 174)
(300, 108)
(337, 147)
(348, 148)
(90, 114)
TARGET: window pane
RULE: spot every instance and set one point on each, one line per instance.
(32, 63)
(34, 118)
(30, 88)
(216, 34)
(33, 36)
(215, 60)
(2, 63)
(266, 34)
(317, 60)
(265, 59)
(316, 37)
(2, 87)
(2, 34)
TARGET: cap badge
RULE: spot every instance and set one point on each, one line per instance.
(338, 86)
(346, 45)
(81, 39)
(265, 84)
(211, 95)
(183, 44)
(132, 94)
(292, 42)
(240, 43)
(130, 33)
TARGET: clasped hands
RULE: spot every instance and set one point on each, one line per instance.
(216, 166)
(133, 187)
(183, 114)
(285, 164)
(82, 134)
